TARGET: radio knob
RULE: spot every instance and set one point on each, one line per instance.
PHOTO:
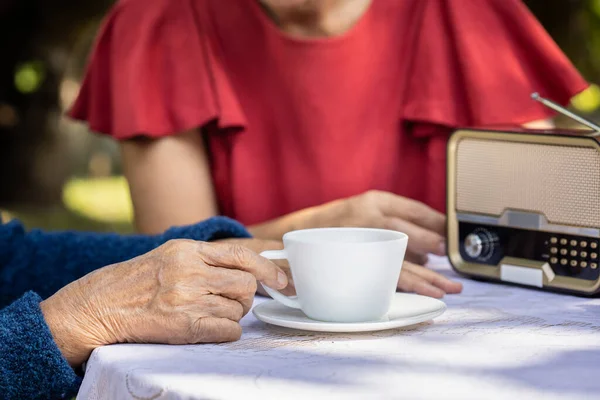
(473, 245)
(480, 244)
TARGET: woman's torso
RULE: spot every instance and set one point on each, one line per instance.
(323, 116)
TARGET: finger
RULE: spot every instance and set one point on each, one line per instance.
(290, 289)
(413, 211)
(235, 256)
(222, 307)
(256, 245)
(434, 278)
(421, 241)
(415, 258)
(236, 285)
(410, 282)
(214, 330)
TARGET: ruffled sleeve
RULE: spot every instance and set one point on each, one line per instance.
(154, 72)
(477, 62)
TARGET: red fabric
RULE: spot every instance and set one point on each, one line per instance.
(320, 119)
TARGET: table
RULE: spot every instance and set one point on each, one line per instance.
(493, 342)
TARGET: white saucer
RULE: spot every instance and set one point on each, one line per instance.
(407, 309)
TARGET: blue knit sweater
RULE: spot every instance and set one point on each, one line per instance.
(33, 266)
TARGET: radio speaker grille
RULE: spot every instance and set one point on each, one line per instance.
(561, 182)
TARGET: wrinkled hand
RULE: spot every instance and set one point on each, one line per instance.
(260, 245)
(183, 292)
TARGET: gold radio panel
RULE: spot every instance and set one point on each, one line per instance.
(524, 207)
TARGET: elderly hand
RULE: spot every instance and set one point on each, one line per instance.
(183, 292)
(260, 245)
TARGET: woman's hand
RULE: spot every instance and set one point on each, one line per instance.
(420, 280)
(424, 226)
(181, 293)
(374, 209)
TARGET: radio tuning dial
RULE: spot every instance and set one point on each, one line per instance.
(480, 244)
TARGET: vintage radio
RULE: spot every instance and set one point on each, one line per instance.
(524, 206)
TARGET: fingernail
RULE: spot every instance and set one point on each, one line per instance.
(442, 249)
(458, 288)
(282, 279)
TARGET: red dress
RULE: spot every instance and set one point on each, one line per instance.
(294, 123)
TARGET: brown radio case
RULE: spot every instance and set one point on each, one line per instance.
(523, 207)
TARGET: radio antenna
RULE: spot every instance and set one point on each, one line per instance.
(556, 107)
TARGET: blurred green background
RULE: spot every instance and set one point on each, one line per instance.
(55, 174)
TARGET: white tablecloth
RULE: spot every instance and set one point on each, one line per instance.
(493, 342)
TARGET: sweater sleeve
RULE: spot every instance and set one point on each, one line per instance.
(31, 365)
(44, 262)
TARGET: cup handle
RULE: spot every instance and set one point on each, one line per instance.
(289, 301)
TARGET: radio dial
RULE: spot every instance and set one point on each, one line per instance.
(480, 244)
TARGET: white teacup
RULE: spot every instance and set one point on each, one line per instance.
(342, 274)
